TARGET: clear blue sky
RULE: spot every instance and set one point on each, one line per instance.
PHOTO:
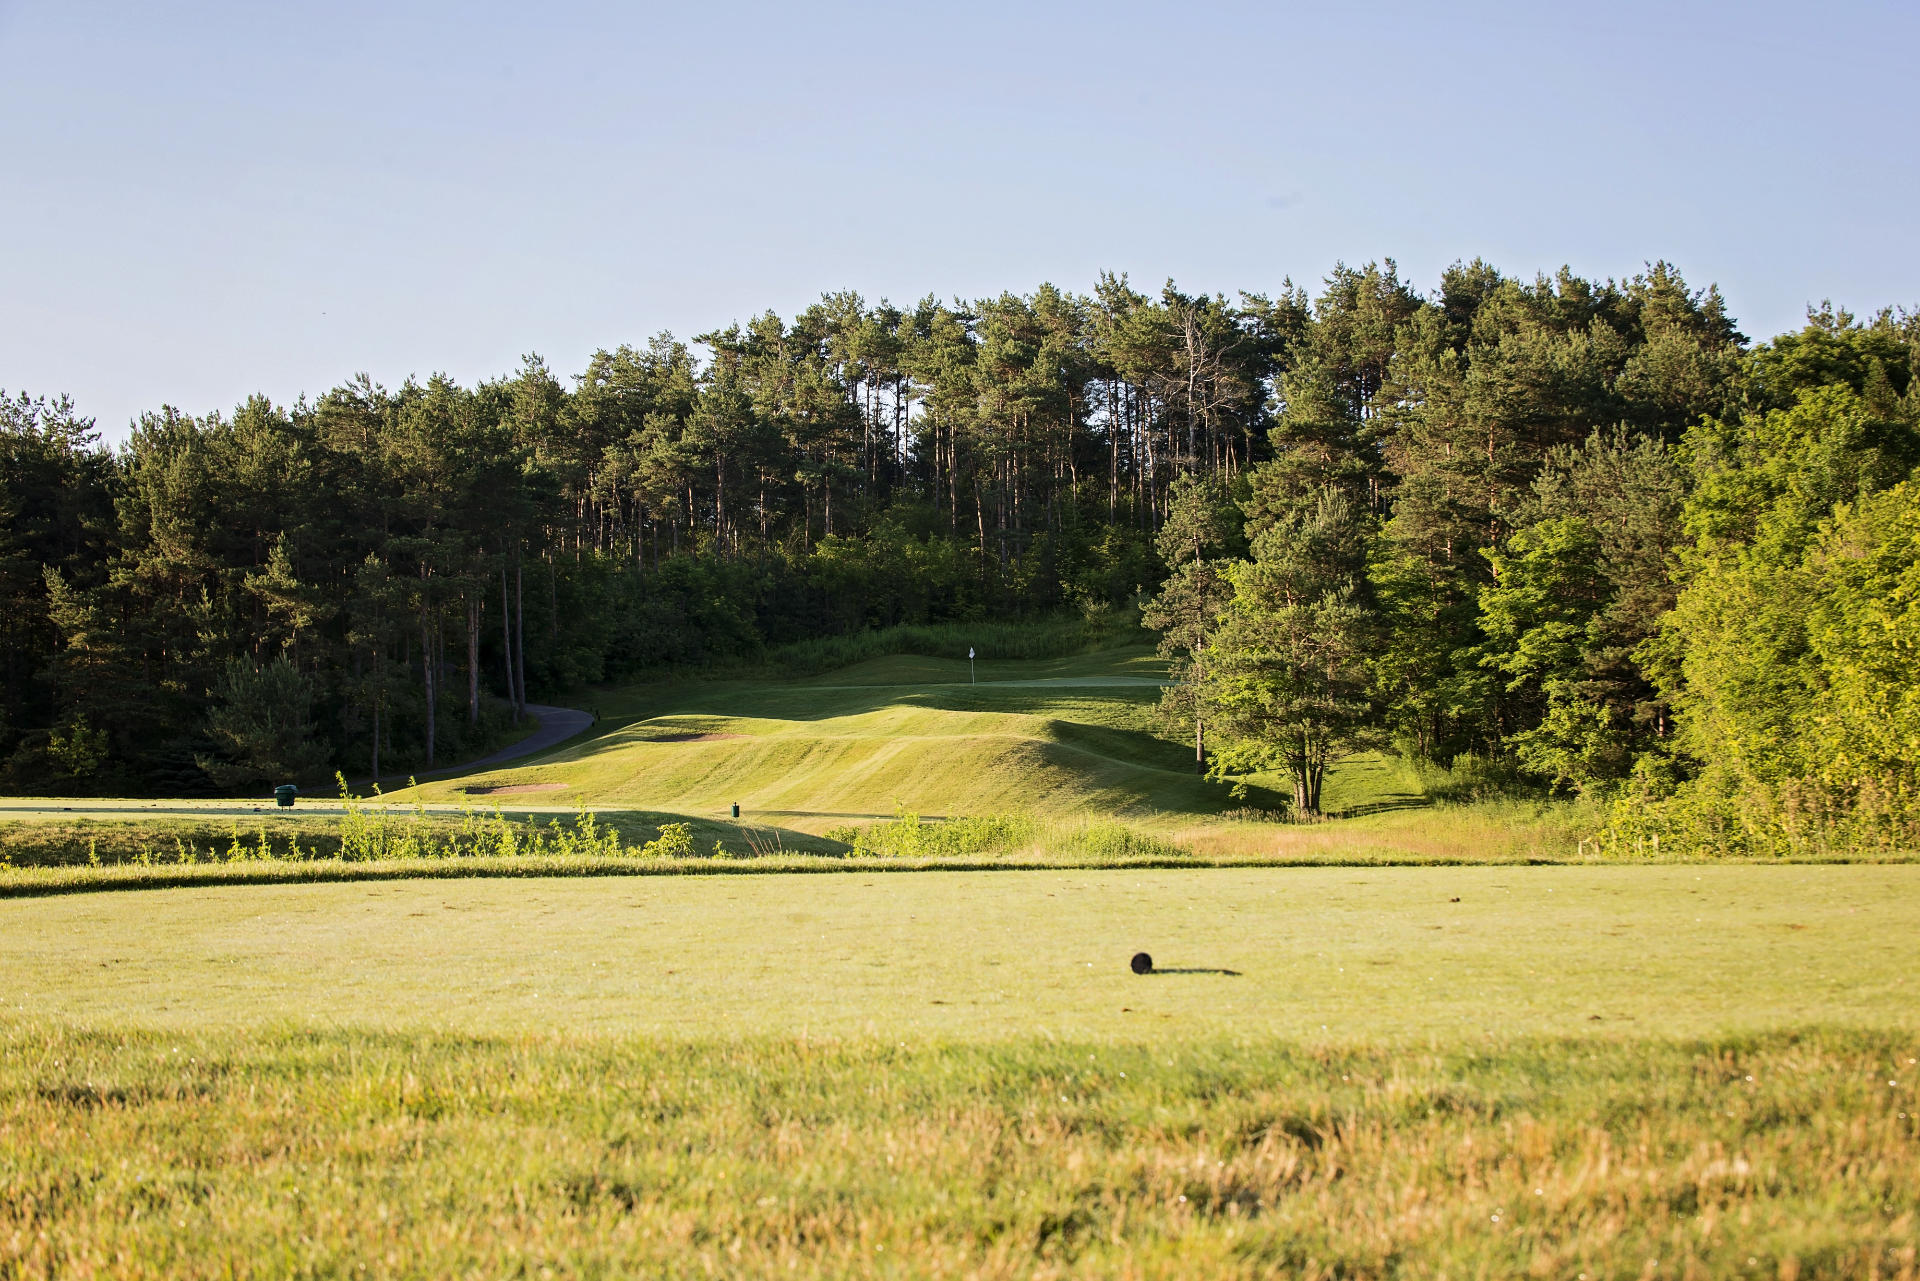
(206, 200)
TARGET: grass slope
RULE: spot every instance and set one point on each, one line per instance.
(904, 731)
(1061, 742)
(1341, 1071)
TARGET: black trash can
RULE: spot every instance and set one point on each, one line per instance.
(283, 795)
(736, 809)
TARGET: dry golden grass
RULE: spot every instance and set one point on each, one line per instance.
(1791, 1155)
(1488, 832)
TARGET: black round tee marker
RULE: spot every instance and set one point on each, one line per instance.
(1141, 963)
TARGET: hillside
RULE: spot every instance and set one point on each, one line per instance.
(903, 732)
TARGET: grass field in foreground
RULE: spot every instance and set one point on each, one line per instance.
(954, 1075)
(1318, 954)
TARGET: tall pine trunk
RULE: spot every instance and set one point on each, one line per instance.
(519, 631)
(427, 664)
(506, 639)
(379, 689)
(473, 659)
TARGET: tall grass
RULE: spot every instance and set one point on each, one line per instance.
(1468, 778)
(910, 836)
(39, 858)
(342, 1153)
(1082, 841)
(369, 831)
(1102, 842)
(372, 833)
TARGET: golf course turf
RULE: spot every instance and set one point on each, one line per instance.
(889, 733)
(1358, 1070)
(1329, 1074)
(1334, 954)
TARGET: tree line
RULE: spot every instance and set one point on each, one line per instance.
(374, 579)
(1586, 536)
(1504, 518)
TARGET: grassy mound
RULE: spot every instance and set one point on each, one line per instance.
(1060, 752)
(909, 731)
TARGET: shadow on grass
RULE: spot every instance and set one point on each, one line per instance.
(1386, 805)
(821, 703)
(925, 818)
(1128, 768)
(1189, 969)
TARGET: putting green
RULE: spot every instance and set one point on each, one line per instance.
(1336, 953)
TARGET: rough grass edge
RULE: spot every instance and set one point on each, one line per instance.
(45, 882)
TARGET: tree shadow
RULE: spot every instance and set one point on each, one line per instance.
(925, 818)
(797, 702)
(1385, 806)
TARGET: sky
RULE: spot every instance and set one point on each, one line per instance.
(206, 201)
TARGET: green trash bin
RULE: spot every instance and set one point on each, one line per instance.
(283, 795)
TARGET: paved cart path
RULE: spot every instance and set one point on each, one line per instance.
(557, 725)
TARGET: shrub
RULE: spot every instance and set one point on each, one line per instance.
(1118, 841)
(910, 836)
(675, 841)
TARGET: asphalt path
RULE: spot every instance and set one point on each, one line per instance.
(557, 725)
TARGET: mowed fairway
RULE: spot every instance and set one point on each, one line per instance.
(1321, 954)
(1046, 736)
